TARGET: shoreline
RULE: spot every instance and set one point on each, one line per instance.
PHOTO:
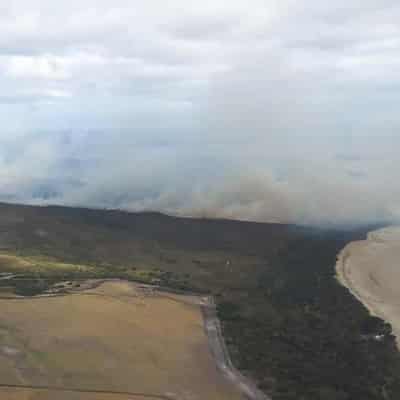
(367, 268)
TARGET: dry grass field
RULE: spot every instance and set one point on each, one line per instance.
(40, 394)
(117, 337)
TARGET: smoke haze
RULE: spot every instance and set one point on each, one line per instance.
(269, 111)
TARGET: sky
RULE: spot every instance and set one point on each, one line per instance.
(283, 111)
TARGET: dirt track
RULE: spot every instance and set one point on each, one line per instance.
(218, 348)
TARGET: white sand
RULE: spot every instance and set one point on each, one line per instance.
(370, 269)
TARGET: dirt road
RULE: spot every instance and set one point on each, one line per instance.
(218, 348)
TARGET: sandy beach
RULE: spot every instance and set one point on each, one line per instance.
(370, 269)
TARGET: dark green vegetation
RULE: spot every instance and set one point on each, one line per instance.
(288, 323)
(306, 332)
(30, 287)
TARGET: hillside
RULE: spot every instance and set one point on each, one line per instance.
(287, 322)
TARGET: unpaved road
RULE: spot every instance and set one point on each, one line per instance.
(218, 348)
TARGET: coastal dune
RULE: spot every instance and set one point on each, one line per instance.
(370, 269)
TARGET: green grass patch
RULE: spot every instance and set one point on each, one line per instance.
(24, 264)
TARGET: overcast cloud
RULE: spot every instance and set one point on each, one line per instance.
(265, 110)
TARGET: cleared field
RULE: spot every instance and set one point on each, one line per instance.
(42, 394)
(115, 338)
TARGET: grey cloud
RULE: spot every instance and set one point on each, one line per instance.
(204, 28)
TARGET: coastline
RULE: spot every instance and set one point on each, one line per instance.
(369, 270)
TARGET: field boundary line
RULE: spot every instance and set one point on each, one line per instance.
(88, 391)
